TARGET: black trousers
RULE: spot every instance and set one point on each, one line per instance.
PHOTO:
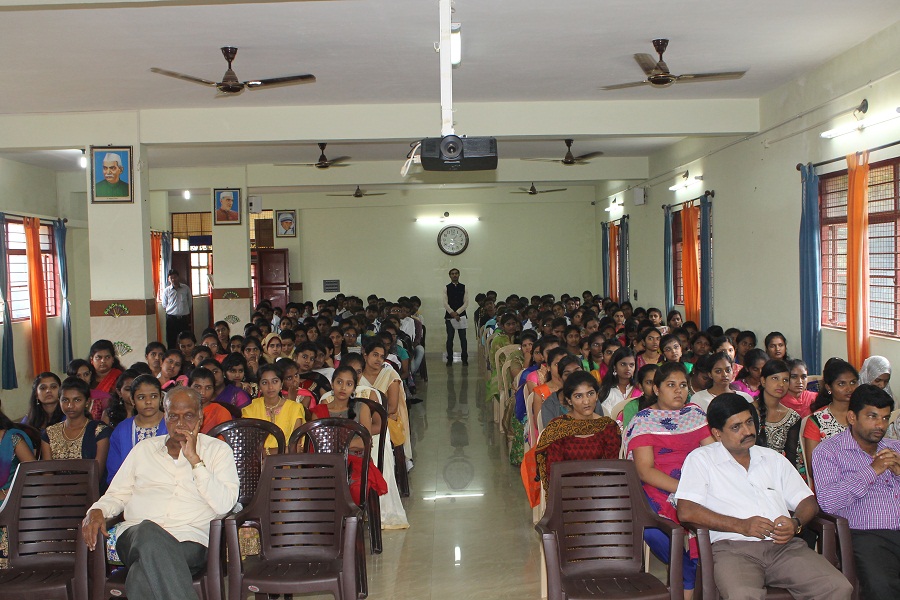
(159, 566)
(877, 555)
(174, 326)
(462, 341)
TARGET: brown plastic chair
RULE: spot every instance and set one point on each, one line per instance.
(593, 534)
(827, 547)
(247, 438)
(401, 475)
(308, 527)
(42, 515)
(842, 556)
(373, 505)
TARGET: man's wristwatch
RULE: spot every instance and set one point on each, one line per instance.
(799, 525)
(200, 463)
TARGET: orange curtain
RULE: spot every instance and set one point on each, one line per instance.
(858, 258)
(156, 255)
(613, 273)
(690, 264)
(40, 353)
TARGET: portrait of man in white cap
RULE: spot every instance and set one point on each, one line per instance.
(225, 205)
(112, 167)
(287, 224)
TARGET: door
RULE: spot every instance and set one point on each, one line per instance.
(273, 276)
(181, 262)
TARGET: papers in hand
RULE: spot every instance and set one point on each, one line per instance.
(462, 323)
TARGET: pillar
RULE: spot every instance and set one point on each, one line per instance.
(232, 294)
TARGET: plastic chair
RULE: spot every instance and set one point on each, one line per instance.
(373, 506)
(42, 515)
(593, 531)
(247, 438)
(843, 553)
(308, 527)
(806, 459)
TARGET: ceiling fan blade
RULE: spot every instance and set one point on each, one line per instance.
(287, 80)
(662, 67)
(541, 159)
(588, 156)
(334, 161)
(701, 77)
(646, 62)
(375, 194)
(182, 76)
(331, 164)
(622, 86)
(294, 164)
(551, 191)
(344, 195)
(520, 192)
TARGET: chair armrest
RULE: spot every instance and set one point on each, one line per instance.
(97, 566)
(675, 532)
(707, 577)
(214, 561)
(844, 541)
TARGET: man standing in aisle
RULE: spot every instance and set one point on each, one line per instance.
(177, 304)
(456, 298)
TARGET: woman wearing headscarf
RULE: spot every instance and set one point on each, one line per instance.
(877, 371)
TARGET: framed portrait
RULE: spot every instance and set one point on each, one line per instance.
(285, 223)
(111, 174)
(226, 206)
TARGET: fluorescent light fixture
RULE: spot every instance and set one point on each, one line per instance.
(82, 161)
(446, 496)
(686, 182)
(455, 44)
(447, 220)
(860, 125)
(614, 205)
(186, 194)
(457, 555)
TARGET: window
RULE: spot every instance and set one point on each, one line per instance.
(266, 215)
(192, 232)
(17, 262)
(884, 228)
(677, 252)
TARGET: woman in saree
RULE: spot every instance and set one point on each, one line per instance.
(658, 439)
(386, 380)
(106, 371)
(504, 337)
(523, 364)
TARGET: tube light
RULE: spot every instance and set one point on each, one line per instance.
(448, 220)
(860, 125)
(455, 44)
(186, 194)
(688, 182)
(614, 205)
(82, 161)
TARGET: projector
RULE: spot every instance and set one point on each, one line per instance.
(453, 153)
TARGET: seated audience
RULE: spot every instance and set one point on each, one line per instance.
(43, 406)
(121, 403)
(170, 374)
(670, 346)
(829, 411)
(146, 423)
(154, 354)
(106, 371)
(78, 436)
(619, 383)
(164, 536)
(776, 346)
(554, 405)
(744, 494)
(15, 447)
(858, 478)
(779, 426)
(236, 392)
(651, 354)
(553, 383)
(203, 382)
(645, 377)
(877, 371)
(748, 380)
(722, 377)
(743, 343)
(385, 379)
(273, 407)
(798, 398)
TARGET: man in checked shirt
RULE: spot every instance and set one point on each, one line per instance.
(858, 478)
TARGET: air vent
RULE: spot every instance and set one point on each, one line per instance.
(331, 286)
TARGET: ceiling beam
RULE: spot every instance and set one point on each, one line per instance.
(13, 5)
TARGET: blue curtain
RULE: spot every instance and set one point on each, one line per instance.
(623, 260)
(810, 272)
(59, 234)
(166, 247)
(668, 285)
(706, 307)
(7, 358)
(604, 257)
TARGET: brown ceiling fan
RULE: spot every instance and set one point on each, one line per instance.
(569, 158)
(230, 84)
(659, 76)
(358, 193)
(322, 163)
(533, 191)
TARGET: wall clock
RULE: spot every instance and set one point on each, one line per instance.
(453, 240)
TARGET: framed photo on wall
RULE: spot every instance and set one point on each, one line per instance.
(111, 174)
(285, 223)
(226, 206)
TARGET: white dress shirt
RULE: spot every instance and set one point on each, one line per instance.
(770, 488)
(177, 302)
(151, 485)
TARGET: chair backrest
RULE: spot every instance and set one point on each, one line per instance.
(333, 435)
(599, 511)
(614, 413)
(807, 460)
(47, 501)
(247, 438)
(301, 505)
(530, 424)
(894, 415)
(376, 408)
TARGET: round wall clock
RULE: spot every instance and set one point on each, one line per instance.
(453, 240)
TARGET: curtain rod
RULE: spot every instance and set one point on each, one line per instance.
(710, 193)
(33, 216)
(840, 158)
(619, 220)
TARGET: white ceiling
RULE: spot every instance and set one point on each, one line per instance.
(368, 52)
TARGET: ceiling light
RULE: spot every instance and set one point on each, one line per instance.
(614, 205)
(82, 161)
(449, 496)
(455, 44)
(686, 182)
(186, 194)
(860, 125)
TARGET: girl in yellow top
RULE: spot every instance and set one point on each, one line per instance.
(273, 407)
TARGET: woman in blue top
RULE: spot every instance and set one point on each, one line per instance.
(147, 422)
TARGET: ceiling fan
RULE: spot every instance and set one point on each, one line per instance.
(322, 163)
(230, 84)
(569, 158)
(533, 191)
(659, 76)
(358, 193)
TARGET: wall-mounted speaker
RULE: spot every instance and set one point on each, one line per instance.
(254, 204)
(639, 195)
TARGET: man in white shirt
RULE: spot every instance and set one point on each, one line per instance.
(169, 488)
(177, 301)
(743, 493)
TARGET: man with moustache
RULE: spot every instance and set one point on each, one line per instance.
(743, 493)
(858, 478)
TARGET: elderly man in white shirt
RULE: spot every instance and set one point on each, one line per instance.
(169, 488)
(743, 493)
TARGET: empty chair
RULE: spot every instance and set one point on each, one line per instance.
(593, 531)
(247, 438)
(308, 527)
(42, 516)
